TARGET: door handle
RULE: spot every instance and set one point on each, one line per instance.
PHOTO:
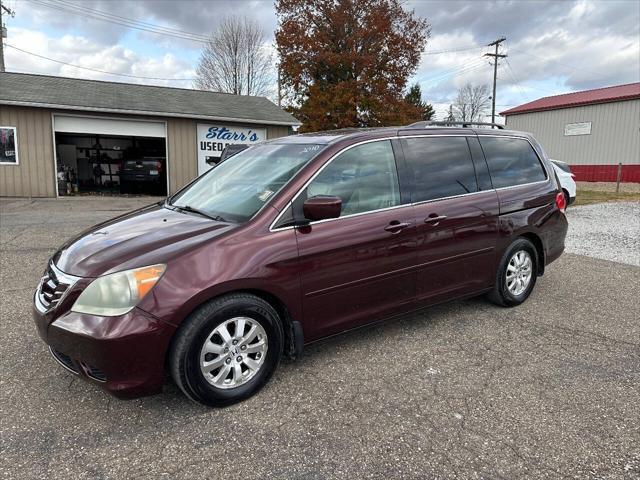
(434, 219)
(396, 226)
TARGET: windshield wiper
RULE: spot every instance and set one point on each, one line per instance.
(189, 208)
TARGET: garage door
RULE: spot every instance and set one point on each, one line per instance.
(110, 156)
(108, 126)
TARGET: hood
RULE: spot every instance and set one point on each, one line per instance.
(145, 237)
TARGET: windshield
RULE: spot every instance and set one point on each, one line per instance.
(237, 188)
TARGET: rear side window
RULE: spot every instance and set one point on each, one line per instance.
(364, 177)
(512, 161)
(440, 167)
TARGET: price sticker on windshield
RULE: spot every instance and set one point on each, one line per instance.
(265, 195)
(310, 148)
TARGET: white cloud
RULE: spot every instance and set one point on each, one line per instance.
(553, 46)
(81, 51)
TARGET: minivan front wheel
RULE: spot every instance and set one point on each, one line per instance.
(516, 275)
(227, 349)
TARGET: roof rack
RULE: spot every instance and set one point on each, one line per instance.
(429, 123)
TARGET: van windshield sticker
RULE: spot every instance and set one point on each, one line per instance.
(310, 148)
(265, 195)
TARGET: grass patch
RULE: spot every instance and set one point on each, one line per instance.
(587, 197)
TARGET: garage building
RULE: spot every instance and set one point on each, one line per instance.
(62, 135)
(594, 130)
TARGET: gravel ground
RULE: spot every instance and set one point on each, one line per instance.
(610, 231)
(550, 389)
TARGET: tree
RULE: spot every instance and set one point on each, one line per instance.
(345, 63)
(414, 97)
(471, 103)
(236, 60)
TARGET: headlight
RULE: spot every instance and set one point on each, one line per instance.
(118, 293)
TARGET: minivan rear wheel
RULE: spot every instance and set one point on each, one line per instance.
(226, 350)
(516, 275)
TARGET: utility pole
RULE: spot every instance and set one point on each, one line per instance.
(495, 56)
(3, 33)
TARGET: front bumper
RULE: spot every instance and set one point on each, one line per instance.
(124, 355)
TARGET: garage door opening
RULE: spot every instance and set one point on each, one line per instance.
(110, 157)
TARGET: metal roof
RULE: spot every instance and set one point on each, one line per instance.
(99, 96)
(588, 97)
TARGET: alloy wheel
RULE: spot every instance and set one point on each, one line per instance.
(233, 352)
(519, 271)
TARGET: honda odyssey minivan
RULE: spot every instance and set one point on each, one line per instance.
(291, 241)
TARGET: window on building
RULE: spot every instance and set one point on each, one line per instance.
(8, 146)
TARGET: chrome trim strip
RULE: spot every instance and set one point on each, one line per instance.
(397, 137)
(450, 197)
(64, 278)
(55, 357)
(38, 303)
(69, 279)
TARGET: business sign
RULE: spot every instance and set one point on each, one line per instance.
(583, 128)
(213, 138)
(8, 146)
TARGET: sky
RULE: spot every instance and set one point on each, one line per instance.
(553, 47)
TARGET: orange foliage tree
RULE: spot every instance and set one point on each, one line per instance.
(345, 63)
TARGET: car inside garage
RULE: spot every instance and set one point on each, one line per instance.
(107, 156)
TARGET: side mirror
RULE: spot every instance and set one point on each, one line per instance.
(322, 207)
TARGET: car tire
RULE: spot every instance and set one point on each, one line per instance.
(516, 275)
(204, 331)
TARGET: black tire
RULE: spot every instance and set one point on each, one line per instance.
(500, 295)
(184, 354)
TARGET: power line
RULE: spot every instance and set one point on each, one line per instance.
(453, 50)
(573, 67)
(476, 63)
(99, 71)
(122, 21)
(140, 22)
(515, 81)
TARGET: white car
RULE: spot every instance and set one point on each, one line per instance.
(566, 180)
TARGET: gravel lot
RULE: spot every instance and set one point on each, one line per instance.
(610, 231)
(550, 389)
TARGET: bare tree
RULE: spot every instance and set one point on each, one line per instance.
(471, 103)
(236, 59)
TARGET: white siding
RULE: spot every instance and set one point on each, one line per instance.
(615, 133)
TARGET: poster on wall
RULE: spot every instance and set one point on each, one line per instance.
(212, 138)
(8, 147)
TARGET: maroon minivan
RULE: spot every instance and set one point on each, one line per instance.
(291, 241)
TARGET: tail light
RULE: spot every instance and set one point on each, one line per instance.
(561, 201)
(159, 166)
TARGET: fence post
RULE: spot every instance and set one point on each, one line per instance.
(619, 177)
